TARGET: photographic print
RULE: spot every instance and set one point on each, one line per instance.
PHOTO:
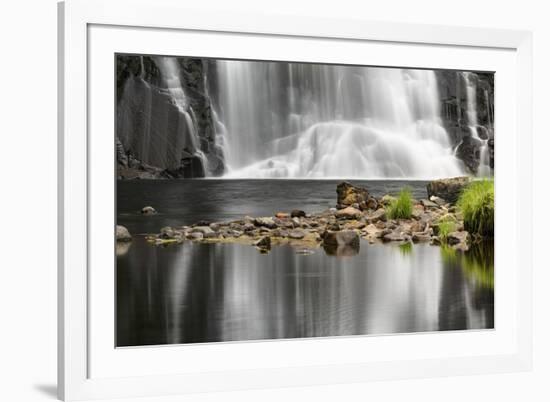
(262, 200)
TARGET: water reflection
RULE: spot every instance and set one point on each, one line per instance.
(225, 292)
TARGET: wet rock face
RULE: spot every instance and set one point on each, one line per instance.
(447, 189)
(152, 130)
(469, 151)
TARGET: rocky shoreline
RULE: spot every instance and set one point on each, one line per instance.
(339, 230)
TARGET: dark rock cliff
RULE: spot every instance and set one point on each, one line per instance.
(453, 90)
(156, 136)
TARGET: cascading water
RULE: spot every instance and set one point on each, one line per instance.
(292, 120)
(484, 168)
(170, 72)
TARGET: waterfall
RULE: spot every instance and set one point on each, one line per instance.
(170, 72)
(290, 120)
(471, 113)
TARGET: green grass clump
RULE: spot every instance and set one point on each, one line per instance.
(402, 206)
(445, 227)
(477, 203)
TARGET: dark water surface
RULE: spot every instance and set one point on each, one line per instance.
(226, 292)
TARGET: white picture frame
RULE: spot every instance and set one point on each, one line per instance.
(77, 333)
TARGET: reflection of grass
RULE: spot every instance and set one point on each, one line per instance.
(406, 249)
(477, 263)
(449, 254)
(478, 207)
(401, 207)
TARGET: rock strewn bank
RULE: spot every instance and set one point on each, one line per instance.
(338, 230)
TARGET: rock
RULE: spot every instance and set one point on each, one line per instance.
(205, 230)
(396, 235)
(439, 201)
(417, 211)
(264, 242)
(266, 222)
(215, 226)
(348, 194)
(373, 232)
(460, 240)
(378, 215)
(282, 215)
(332, 210)
(296, 222)
(296, 234)
(296, 213)
(372, 203)
(122, 234)
(349, 213)
(421, 237)
(428, 204)
(196, 236)
(341, 238)
(169, 233)
(248, 227)
(356, 225)
(148, 210)
(448, 189)
(334, 227)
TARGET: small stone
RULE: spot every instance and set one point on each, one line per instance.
(296, 234)
(421, 237)
(297, 213)
(122, 234)
(148, 210)
(282, 215)
(248, 227)
(267, 222)
(205, 230)
(379, 214)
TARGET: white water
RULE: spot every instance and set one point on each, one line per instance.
(471, 114)
(304, 120)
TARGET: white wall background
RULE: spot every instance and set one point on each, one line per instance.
(28, 199)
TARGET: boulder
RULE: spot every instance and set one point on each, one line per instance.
(349, 213)
(448, 189)
(122, 234)
(348, 194)
(148, 210)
